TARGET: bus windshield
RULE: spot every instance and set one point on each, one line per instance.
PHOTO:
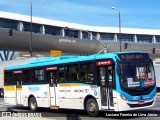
(137, 75)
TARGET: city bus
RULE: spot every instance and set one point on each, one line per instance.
(119, 81)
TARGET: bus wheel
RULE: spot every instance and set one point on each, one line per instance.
(32, 104)
(92, 107)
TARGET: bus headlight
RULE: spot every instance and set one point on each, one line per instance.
(123, 97)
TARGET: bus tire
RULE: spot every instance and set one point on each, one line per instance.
(33, 104)
(92, 107)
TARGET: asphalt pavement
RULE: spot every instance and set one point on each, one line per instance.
(48, 114)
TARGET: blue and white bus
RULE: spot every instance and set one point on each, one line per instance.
(114, 81)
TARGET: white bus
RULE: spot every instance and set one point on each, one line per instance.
(114, 81)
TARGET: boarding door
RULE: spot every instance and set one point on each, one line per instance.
(52, 79)
(105, 76)
(18, 81)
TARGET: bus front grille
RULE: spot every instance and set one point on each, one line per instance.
(137, 105)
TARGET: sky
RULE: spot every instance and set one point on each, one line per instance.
(133, 13)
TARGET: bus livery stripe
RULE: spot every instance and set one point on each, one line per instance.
(19, 89)
(9, 88)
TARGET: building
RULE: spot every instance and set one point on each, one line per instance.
(70, 38)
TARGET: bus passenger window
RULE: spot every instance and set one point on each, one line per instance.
(90, 72)
(61, 74)
(86, 72)
(71, 73)
(102, 75)
(38, 76)
(8, 78)
(83, 73)
(51, 77)
(26, 76)
(110, 75)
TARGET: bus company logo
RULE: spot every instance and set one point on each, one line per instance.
(33, 88)
(86, 90)
(135, 98)
(146, 97)
(95, 93)
(80, 91)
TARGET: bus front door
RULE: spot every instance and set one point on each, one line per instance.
(52, 77)
(18, 80)
(106, 83)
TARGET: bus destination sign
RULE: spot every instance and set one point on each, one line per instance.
(18, 72)
(51, 68)
(102, 63)
(133, 56)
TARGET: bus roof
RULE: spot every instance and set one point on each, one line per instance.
(66, 59)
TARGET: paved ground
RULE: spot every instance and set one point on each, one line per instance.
(61, 114)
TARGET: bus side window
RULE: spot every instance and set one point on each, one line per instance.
(38, 75)
(61, 73)
(83, 73)
(102, 75)
(18, 79)
(51, 76)
(90, 72)
(26, 76)
(8, 78)
(72, 72)
(86, 72)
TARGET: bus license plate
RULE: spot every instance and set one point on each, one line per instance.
(140, 102)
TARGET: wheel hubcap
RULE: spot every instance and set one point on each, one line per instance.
(92, 107)
(33, 104)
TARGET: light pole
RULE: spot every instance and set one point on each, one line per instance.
(119, 17)
(105, 47)
(30, 46)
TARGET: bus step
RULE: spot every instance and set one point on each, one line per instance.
(108, 109)
(19, 105)
(54, 107)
